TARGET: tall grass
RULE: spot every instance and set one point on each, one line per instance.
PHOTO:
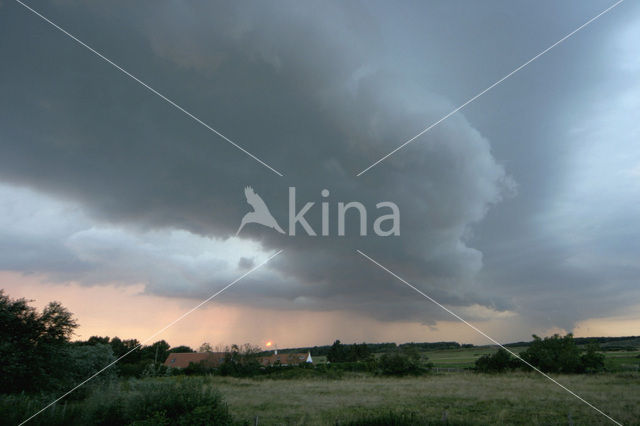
(173, 401)
(456, 398)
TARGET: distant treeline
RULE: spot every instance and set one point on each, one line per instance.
(555, 354)
(38, 355)
(608, 343)
(379, 347)
(604, 342)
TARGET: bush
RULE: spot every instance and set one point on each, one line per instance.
(160, 402)
(353, 353)
(303, 372)
(139, 402)
(557, 354)
(402, 362)
(34, 346)
(554, 354)
(592, 361)
(498, 362)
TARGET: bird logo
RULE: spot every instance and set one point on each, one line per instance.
(260, 213)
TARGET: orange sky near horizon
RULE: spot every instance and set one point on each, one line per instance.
(127, 312)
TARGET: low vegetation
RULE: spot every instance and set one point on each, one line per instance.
(458, 398)
(132, 402)
(553, 354)
(359, 384)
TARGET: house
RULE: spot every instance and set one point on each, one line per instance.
(285, 359)
(183, 359)
(215, 359)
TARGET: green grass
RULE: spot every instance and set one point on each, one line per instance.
(622, 360)
(167, 401)
(354, 399)
(466, 398)
(615, 361)
(466, 357)
(461, 358)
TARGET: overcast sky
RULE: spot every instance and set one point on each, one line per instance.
(520, 212)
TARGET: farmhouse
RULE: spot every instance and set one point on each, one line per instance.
(215, 359)
(285, 359)
(183, 359)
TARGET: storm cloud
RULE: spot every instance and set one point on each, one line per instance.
(492, 211)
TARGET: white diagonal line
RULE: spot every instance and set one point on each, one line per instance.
(490, 87)
(157, 332)
(151, 89)
(487, 336)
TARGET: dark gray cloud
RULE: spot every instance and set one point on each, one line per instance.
(318, 91)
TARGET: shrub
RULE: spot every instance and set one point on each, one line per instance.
(592, 361)
(33, 346)
(139, 402)
(353, 353)
(557, 354)
(14, 409)
(402, 362)
(159, 402)
(498, 362)
(554, 354)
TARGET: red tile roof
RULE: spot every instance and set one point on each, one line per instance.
(283, 359)
(214, 359)
(183, 359)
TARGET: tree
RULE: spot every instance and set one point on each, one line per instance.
(33, 345)
(121, 347)
(179, 349)
(554, 354)
(337, 352)
(86, 360)
(403, 362)
(57, 323)
(498, 362)
(359, 352)
(94, 340)
(592, 360)
(240, 361)
(156, 353)
(205, 347)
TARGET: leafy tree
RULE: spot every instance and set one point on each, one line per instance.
(592, 360)
(121, 347)
(181, 349)
(498, 362)
(157, 352)
(240, 361)
(94, 340)
(86, 360)
(403, 362)
(554, 354)
(337, 352)
(352, 353)
(33, 345)
(359, 352)
(205, 347)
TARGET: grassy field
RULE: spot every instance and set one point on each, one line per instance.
(461, 358)
(466, 357)
(461, 398)
(622, 360)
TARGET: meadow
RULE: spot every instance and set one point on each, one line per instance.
(352, 399)
(454, 398)
(618, 361)
(345, 393)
